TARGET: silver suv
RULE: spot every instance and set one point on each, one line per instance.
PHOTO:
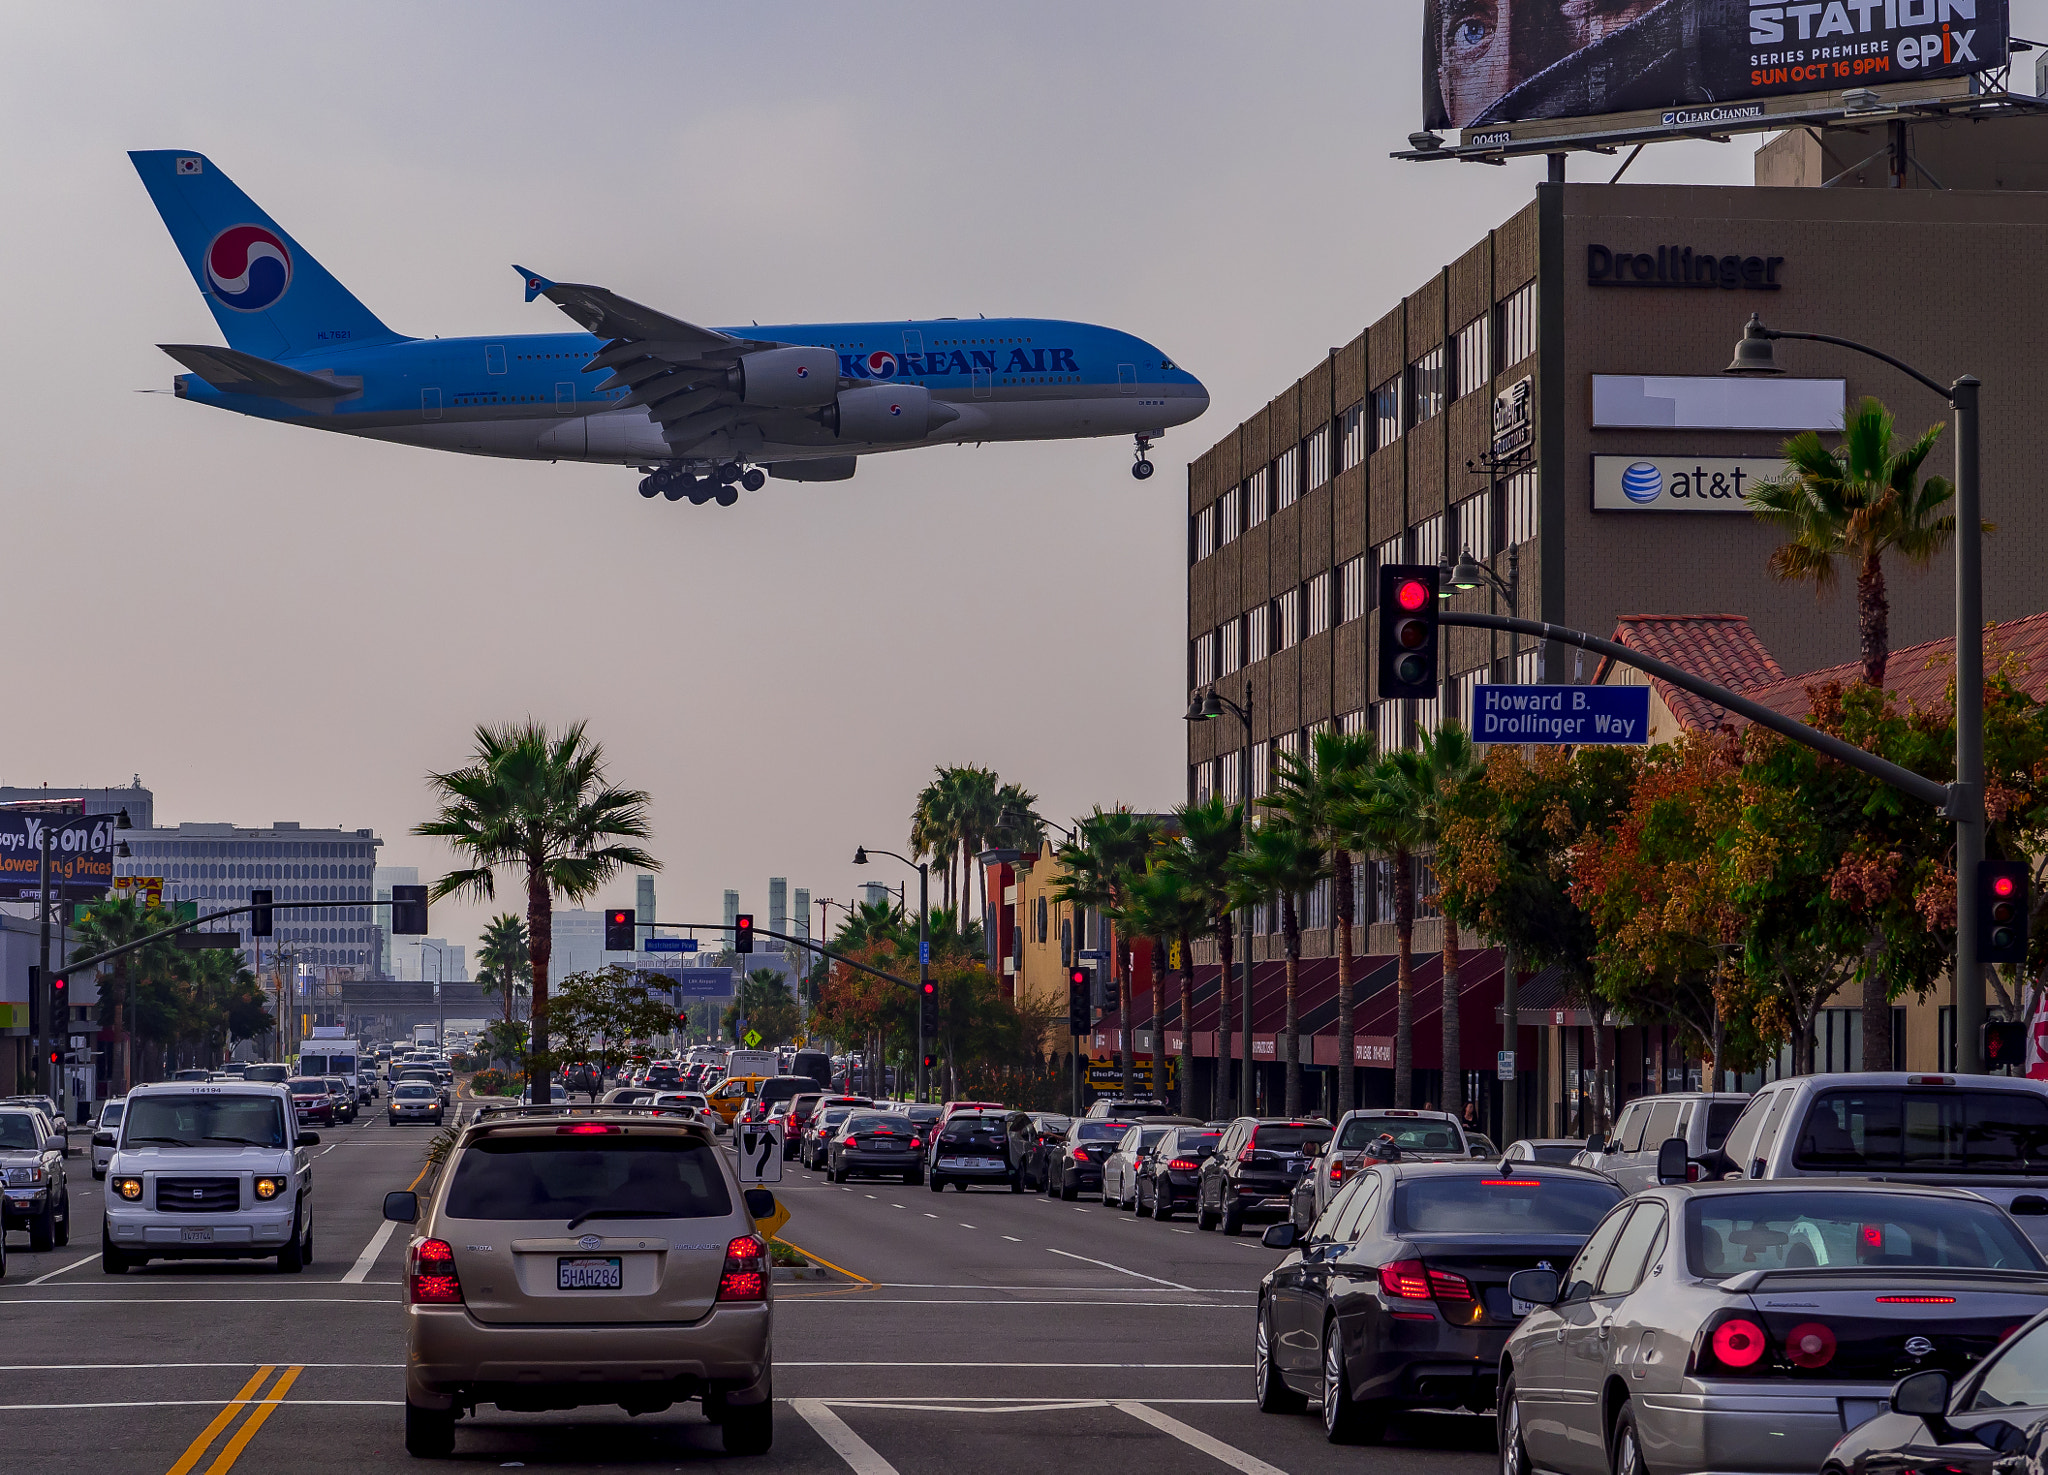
(37, 1191)
(578, 1255)
(208, 1170)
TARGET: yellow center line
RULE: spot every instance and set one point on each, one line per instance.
(198, 1447)
(814, 1255)
(232, 1450)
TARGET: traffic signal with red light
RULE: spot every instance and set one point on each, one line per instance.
(2002, 911)
(60, 1002)
(1408, 631)
(260, 924)
(2004, 1044)
(743, 933)
(931, 1060)
(618, 930)
(928, 1009)
(1079, 987)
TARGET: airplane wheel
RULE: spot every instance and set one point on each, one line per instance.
(727, 496)
(649, 487)
(1141, 469)
(679, 487)
(728, 473)
(755, 479)
(700, 493)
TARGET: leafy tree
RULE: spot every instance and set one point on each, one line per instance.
(540, 803)
(504, 959)
(764, 1001)
(1110, 849)
(1448, 764)
(602, 1015)
(1284, 862)
(115, 922)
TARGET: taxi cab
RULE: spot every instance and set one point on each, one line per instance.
(729, 1097)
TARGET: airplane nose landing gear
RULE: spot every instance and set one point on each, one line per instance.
(1141, 467)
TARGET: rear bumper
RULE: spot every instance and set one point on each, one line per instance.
(451, 1357)
(986, 1175)
(1435, 1367)
(879, 1162)
(1749, 1431)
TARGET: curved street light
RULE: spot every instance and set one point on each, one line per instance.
(924, 945)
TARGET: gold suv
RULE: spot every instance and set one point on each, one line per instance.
(570, 1256)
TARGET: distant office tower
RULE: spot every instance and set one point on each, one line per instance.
(643, 906)
(578, 942)
(802, 919)
(732, 912)
(387, 877)
(875, 894)
(778, 910)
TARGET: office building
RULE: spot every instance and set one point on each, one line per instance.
(138, 801)
(778, 911)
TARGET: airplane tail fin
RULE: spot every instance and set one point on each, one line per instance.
(270, 297)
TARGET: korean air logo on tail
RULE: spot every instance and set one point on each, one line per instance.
(248, 268)
(881, 364)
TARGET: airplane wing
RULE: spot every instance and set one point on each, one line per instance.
(233, 372)
(679, 371)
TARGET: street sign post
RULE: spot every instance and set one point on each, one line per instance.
(1504, 1065)
(1561, 714)
(760, 1149)
(669, 945)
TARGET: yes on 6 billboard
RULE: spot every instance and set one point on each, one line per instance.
(81, 855)
(1489, 62)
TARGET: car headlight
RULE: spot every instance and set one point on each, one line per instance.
(128, 1188)
(24, 1177)
(271, 1187)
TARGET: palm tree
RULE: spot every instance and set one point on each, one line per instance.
(1210, 834)
(933, 827)
(103, 926)
(504, 963)
(1110, 849)
(978, 815)
(1177, 907)
(1309, 791)
(1285, 862)
(1854, 506)
(540, 802)
(1448, 762)
(1384, 819)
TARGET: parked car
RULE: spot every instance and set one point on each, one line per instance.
(1932, 1422)
(1416, 1136)
(1173, 1173)
(972, 1147)
(1255, 1167)
(1073, 1164)
(48, 1106)
(1543, 1150)
(1735, 1326)
(1397, 1296)
(1028, 1133)
(875, 1144)
(1628, 1154)
(1126, 1108)
(825, 1120)
(1122, 1169)
(35, 1189)
(104, 1131)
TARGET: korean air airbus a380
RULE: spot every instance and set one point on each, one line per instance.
(702, 411)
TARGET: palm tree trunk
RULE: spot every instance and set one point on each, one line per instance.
(124, 1072)
(1225, 955)
(1347, 1050)
(1873, 628)
(1404, 981)
(1121, 962)
(1877, 1024)
(1290, 937)
(540, 946)
(1454, 1042)
(1186, 1067)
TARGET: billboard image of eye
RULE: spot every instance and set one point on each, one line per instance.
(1491, 62)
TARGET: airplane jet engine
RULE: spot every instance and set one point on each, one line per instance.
(887, 412)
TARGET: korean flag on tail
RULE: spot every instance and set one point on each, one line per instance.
(189, 164)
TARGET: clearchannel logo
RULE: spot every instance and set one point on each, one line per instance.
(1679, 483)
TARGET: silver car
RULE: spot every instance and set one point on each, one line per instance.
(104, 1133)
(1419, 1137)
(1739, 1327)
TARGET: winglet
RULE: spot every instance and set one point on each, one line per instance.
(535, 282)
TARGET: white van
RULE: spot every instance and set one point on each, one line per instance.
(339, 1058)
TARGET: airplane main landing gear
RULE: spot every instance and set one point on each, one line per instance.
(755, 479)
(720, 485)
(1141, 467)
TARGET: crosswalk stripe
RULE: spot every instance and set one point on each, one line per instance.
(1194, 1438)
(859, 1455)
(361, 1269)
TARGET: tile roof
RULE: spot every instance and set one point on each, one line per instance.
(1722, 648)
(1918, 675)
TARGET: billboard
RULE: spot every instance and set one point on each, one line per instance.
(81, 855)
(1700, 62)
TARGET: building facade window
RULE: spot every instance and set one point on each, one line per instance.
(1475, 356)
(1287, 620)
(1351, 724)
(1519, 521)
(1201, 783)
(1315, 458)
(1517, 326)
(1230, 778)
(1427, 714)
(1466, 686)
(1202, 660)
(1315, 598)
(1262, 769)
(1528, 668)
(1230, 515)
(1258, 497)
(1354, 588)
(1386, 414)
(1474, 531)
(1426, 539)
(1388, 727)
(1352, 445)
(1287, 478)
(1426, 385)
(1202, 542)
(1258, 633)
(1231, 658)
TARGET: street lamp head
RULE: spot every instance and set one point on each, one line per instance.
(1468, 573)
(860, 855)
(121, 820)
(1196, 711)
(123, 851)
(1753, 350)
(1212, 704)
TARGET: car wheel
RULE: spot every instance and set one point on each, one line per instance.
(42, 1235)
(64, 1222)
(938, 1184)
(1514, 1455)
(1233, 1219)
(1016, 1183)
(749, 1428)
(99, 1174)
(1068, 1193)
(914, 1177)
(1162, 1203)
(112, 1261)
(1345, 1419)
(1204, 1220)
(292, 1259)
(1270, 1390)
(429, 1432)
(1625, 1449)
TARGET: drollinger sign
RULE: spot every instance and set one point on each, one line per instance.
(1612, 715)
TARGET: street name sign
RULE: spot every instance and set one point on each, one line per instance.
(1561, 714)
(669, 945)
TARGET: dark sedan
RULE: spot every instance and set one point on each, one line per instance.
(824, 1121)
(1034, 1137)
(1255, 1167)
(876, 1144)
(973, 1147)
(1073, 1164)
(1398, 1295)
(1173, 1174)
(1132, 1159)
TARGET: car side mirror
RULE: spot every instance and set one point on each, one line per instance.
(402, 1207)
(54, 1142)
(1924, 1396)
(760, 1203)
(2028, 1203)
(1537, 1287)
(1673, 1163)
(1281, 1236)
(1595, 1143)
(309, 1139)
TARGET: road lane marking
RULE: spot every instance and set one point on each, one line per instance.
(1013, 1239)
(202, 1301)
(966, 1226)
(55, 1273)
(784, 1298)
(859, 1455)
(369, 1255)
(1113, 1366)
(232, 1450)
(91, 1367)
(1044, 1290)
(1121, 1270)
(198, 1447)
(1194, 1438)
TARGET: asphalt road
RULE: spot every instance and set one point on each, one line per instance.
(982, 1331)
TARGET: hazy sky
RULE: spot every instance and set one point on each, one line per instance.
(272, 623)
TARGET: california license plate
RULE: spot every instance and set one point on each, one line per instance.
(969, 1162)
(591, 1274)
(1521, 1307)
(197, 1236)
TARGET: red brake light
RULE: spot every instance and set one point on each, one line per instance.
(1184, 1165)
(1739, 1343)
(1916, 1300)
(917, 1142)
(1244, 1154)
(1510, 1182)
(746, 1270)
(1810, 1344)
(1407, 1279)
(1448, 1287)
(588, 1129)
(433, 1281)
(1336, 1170)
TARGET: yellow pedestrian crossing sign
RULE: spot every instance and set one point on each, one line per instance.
(753, 1038)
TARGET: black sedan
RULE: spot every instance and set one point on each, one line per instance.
(1035, 1136)
(1173, 1174)
(1073, 1163)
(1398, 1295)
(973, 1147)
(876, 1144)
(1962, 1430)
(1255, 1167)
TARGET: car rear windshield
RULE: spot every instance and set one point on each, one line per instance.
(1721, 1116)
(110, 1113)
(193, 1121)
(1410, 1134)
(1562, 1153)
(966, 1129)
(1726, 1234)
(1478, 1203)
(556, 1177)
(1285, 1138)
(1930, 1131)
(1100, 1131)
(880, 1122)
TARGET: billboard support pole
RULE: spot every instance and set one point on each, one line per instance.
(1557, 168)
